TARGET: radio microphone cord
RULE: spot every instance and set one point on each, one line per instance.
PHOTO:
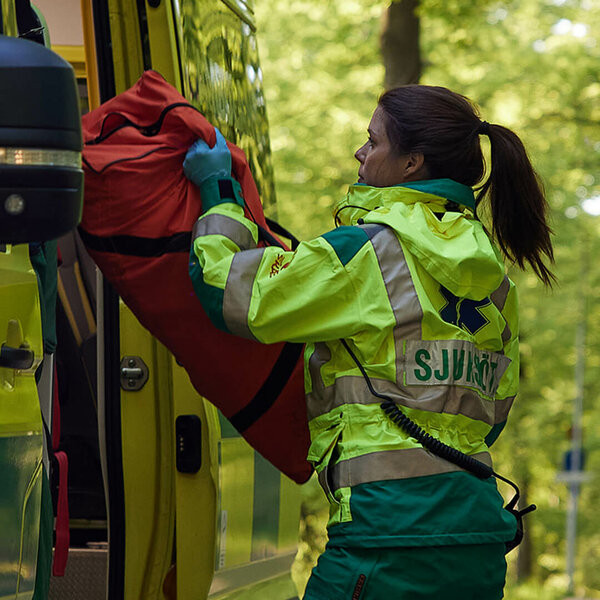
(462, 460)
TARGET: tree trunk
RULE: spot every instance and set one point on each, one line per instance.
(400, 44)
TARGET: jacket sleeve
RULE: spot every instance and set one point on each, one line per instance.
(272, 295)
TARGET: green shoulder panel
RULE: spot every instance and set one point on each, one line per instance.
(346, 242)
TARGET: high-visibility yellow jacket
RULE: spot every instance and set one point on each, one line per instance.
(420, 295)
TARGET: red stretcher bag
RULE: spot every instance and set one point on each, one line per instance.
(138, 214)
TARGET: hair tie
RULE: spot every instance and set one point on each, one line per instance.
(484, 128)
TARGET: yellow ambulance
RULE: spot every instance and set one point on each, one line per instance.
(139, 528)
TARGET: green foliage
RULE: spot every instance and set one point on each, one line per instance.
(313, 536)
(322, 77)
(532, 65)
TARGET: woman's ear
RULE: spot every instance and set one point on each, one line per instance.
(414, 168)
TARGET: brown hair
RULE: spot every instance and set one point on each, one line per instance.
(445, 127)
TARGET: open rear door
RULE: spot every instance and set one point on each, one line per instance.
(229, 526)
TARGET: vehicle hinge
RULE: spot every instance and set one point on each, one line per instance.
(134, 373)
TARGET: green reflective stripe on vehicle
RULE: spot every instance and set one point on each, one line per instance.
(265, 520)
(289, 512)
(445, 188)
(20, 506)
(217, 224)
(454, 362)
(238, 291)
(346, 242)
(210, 296)
(227, 429)
(393, 464)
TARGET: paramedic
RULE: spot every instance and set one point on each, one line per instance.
(414, 284)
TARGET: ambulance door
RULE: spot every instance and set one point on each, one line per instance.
(228, 526)
(257, 507)
(236, 517)
(20, 422)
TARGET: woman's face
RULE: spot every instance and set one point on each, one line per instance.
(380, 164)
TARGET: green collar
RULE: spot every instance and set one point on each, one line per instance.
(362, 198)
(445, 188)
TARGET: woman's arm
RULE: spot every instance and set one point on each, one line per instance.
(315, 293)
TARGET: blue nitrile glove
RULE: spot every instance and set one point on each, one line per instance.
(210, 169)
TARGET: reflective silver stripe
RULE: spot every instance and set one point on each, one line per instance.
(502, 409)
(238, 291)
(372, 229)
(345, 390)
(447, 399)
(40, 157)
(454, 362)
(392, 464)
(498, 297)
(401, 291)
(215, 224)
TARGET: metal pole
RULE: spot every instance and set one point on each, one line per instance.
(576, 434)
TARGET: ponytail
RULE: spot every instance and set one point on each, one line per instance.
(518, 206)
(445, 128)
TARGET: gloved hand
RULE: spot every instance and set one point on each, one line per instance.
(210, 169)
(203, 162)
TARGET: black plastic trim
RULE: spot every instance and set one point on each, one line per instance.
(16, 358)
(114, 452)
(144, 34)
(116, 508)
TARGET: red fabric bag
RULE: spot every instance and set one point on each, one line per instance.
(138, 214)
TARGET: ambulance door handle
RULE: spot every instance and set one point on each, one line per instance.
(16, 358)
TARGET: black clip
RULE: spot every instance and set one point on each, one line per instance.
(518, 515)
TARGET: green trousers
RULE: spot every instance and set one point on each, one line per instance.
(437, 572)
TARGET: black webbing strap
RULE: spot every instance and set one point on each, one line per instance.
(132, 245)
(270, 389)
(275, 227)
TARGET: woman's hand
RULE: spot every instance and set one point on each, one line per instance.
(203, 162)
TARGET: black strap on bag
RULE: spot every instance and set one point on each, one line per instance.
(464, 461)
(279, 230)
(286, 362)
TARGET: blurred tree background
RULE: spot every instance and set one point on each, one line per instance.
(534, 66)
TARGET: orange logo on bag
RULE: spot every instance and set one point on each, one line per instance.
(278, 265)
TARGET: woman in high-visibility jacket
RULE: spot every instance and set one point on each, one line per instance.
(410, 288)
